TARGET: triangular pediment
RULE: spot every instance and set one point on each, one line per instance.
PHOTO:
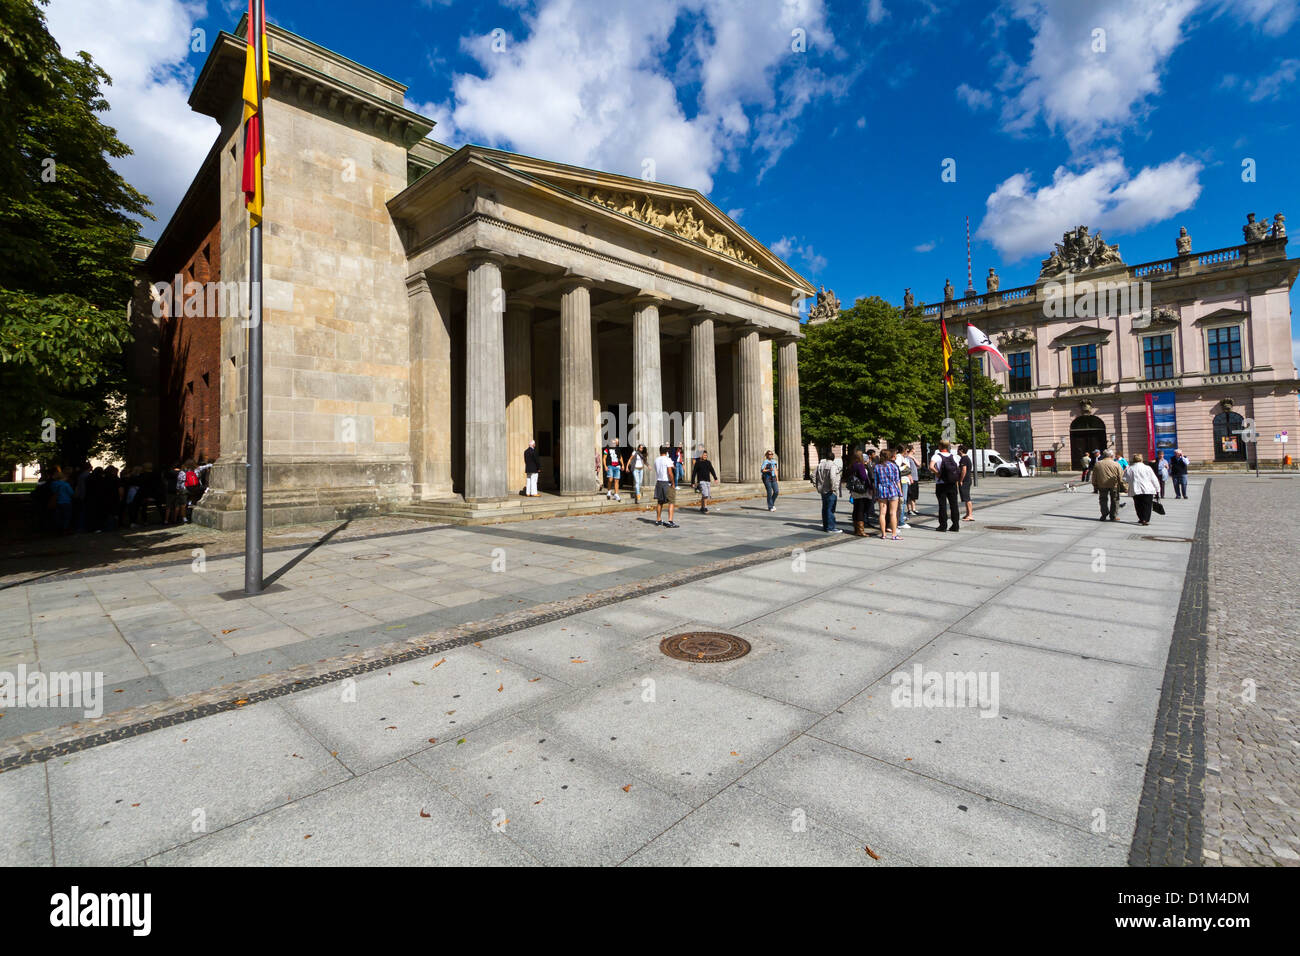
(1080, 335)
(676, 210)
(1221, 315)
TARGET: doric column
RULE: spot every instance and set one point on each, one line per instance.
(647, 374)
(519, 387)
(577, 451)
(430, 343)
(750, 391)
(485, 380)
(789, 432)
(704, 384)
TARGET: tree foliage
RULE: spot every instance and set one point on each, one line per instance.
(67, 222)
(875, 374)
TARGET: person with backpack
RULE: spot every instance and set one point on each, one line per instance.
(826, 479)
(702, 477)
(190, 485)
(947, 481)
(858, 481)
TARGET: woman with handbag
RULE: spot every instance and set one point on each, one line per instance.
(858, 482)
(1144, 487)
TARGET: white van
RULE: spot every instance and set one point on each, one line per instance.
(994, 463)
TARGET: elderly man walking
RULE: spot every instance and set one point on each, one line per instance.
(1108, 482)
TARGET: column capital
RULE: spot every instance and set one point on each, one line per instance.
(417, 282)
(703, 315)
(787, 338)
(649, 297)
(477, 257)
(572, 280)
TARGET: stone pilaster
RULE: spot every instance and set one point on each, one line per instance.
(430, 310)
(703, 384)
(519, 388)
(789, 433)
(577, 449)
(647, 374)
(485, 381)
(750, 392)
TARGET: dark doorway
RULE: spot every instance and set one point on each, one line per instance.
(1228, 445)
(1087, 433)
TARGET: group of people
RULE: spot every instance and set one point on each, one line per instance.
(884, 487)
(102, 498)
(1111, 475)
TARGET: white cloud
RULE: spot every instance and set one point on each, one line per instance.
(924, 247)
(973, 98)
(1272, 17)
(790, 248)
(862, 122)
(144, 46)
(735, 214)
(588, 84)
(876, 12)
(1270, 86)
(1021, 220)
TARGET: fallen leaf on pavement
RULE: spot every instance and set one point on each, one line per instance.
(501, 688)
(627, 788)
(443, 661)
(241, 702)
(533, 680)
(577, 660)
(230, 630)
(433, 740)
(871, 853)
(425, 815)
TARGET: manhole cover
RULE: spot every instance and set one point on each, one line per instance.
(704, 647)
(1170, 540)
(1012, 528)
(371, 556)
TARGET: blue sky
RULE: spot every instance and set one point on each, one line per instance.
(822, 126)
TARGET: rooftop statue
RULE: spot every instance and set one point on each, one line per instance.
(1184, 242)
(826, 308)
(1254, 231)
(1078, 251)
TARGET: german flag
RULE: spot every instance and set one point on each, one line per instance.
(254, 138)
(947, 352)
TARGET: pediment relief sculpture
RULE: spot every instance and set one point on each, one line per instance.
(1077, 252)
(681, 219)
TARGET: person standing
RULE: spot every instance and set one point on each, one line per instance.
(665, 488)
(965, 480)
(638, 461)
(60, 500)
(679, 464)
(1108, 481)
(826, 479)
(872, 457)
(947, 480)
(1162, 471)
(532, 468)
(613, 471)
(702, 477)
(1143, 486)
(769, 472)
(1178, 472)
(887, 488)
(905, 477)
(858, 482)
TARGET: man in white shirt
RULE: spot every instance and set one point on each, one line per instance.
(665, 488)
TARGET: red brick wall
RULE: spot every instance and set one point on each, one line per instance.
(190, 366)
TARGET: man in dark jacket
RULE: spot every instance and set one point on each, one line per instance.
(532, 465)
(702, 477)
(1178, 472)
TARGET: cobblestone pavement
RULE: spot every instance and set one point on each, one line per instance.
(1252, 782)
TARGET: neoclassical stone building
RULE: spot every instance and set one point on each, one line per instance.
(1207, 335)
(429, 311)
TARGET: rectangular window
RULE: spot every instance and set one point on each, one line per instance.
(1083, 364)
(1019, 379)
(1158, 356)
(1225, 349)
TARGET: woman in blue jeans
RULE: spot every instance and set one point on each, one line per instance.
(769, 480)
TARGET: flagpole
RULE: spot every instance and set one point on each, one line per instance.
(970, 387)
(253, 495)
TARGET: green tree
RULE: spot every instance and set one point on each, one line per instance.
(66, 230)
(876, 373)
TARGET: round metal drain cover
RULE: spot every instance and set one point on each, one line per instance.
(704, 647)
(1004, 527)
(371, 556)
(1170, 540)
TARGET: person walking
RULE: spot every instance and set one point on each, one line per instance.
(947, 481)
(613, 471)
(858, 482)
(965, 480)
(1144, 487)
(702, 477)
(769, 472)
(1178, 472)
(638, 461)
(1162, 471)
(1108, 481)
(887, 489)
(827, 479)
(665, 488)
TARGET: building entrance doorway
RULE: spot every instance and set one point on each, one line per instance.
(1087, 432)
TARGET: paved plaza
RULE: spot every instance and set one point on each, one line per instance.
(576, 741)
